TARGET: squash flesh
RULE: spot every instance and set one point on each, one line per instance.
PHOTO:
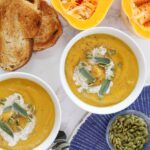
(141, 30)
(80, 9)
(99, 14)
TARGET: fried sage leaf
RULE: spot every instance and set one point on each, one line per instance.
(86, 74)
(6, 128)
(102, 60)
(104, 87)
(20, 110)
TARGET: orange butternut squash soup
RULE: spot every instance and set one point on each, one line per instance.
(101, 70)
(27, 114)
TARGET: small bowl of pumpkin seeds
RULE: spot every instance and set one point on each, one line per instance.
(129, 130)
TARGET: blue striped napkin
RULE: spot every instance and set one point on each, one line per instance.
(92, 133)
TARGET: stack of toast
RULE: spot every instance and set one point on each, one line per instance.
(25, 26)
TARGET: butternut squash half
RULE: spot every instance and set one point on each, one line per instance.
(82, 14)
(137, 12)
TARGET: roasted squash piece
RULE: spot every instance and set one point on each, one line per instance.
(82, 14)
(137, 12)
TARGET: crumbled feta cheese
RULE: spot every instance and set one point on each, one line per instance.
(100, 51)
(79, 79)
(94, 89)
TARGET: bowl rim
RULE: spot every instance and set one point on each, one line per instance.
(126, 112)
(132, 96)
(56, 127)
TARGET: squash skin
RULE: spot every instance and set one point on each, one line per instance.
(101, 11)
(140, 30)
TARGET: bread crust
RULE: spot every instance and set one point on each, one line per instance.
(24, 27)
(50, 29)
(15, 35)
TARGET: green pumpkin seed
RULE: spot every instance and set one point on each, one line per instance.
(129, 132)
(11, 121)
(112, 52)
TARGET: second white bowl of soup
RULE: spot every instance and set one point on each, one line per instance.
(102, 70)
(30, 113)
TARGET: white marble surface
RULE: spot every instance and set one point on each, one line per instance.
(46, 65)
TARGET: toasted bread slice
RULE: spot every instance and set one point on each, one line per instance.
(19, 23)
(50, 29)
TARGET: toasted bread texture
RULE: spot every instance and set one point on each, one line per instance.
(50, 29)
(19, 23)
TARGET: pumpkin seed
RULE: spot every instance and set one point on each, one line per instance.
(120, 65)
(11, 121)
(128, 132)
(112, 52)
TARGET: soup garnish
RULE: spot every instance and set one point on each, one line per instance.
(23, 103)
(17, 119)
(96, 73)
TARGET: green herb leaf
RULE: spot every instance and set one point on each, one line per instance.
(20, 110)
(86, 74)
(11, 121)
(6, 128)
(102, 61)
(104, 87)
(31, 108)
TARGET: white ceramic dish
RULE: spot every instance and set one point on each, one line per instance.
(49, 90)
(142, 72)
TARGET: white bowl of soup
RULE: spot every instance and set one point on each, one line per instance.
(30, 114)
(102, 70)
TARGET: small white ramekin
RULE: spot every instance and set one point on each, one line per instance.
(50, 139)
(142, 72)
